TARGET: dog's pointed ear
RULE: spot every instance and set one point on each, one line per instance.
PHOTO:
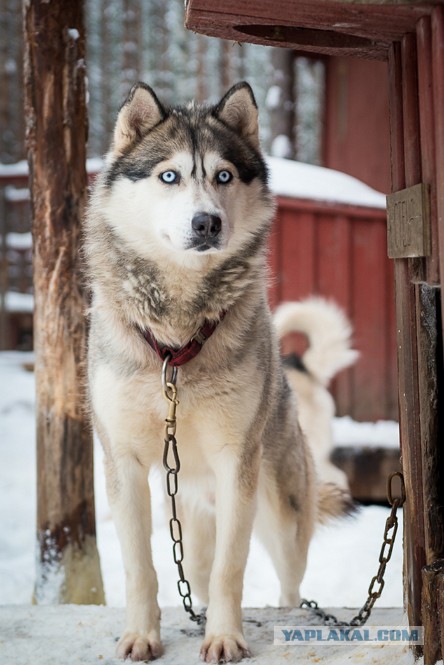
(140, 112)
(238, 109)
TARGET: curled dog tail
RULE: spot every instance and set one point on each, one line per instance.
(334, 502)
(328, 331)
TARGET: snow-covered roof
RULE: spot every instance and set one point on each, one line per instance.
(305, 181)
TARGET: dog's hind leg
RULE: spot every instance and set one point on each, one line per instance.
(285, 529)
(129, 498)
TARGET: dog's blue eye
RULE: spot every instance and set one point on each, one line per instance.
(224, 177)
(169, 177)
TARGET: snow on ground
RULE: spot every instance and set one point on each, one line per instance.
(343, 556)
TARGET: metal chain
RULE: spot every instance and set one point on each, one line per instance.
(171, 463)
(172, 469)
(377, 582)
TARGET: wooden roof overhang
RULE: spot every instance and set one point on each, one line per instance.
(350, 27)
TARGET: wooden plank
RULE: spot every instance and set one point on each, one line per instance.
(430, 359)
(406, 172)
(334, 281)
(440, 604)
(68, 568)
(427, 128)
(438, 102)
(356, 141)
(392, 408)
(432, 577)
(381, 24)
(274, 262)
(298, 255)
(331, 207)
(369, 318)
(333, 273)
(410, 102)
(396, 118)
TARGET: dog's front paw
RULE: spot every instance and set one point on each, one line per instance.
(224, 649)
(139, 646)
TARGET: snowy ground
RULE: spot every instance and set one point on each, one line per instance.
(343, 556)
(39, 635)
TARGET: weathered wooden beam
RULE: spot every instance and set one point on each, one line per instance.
(351, 27)
(68, 568)
(433, 611)
(437, 30)
(428, 141)
(440, 603)
(430, 363)
(404, 129)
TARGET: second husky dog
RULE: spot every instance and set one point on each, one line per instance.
(176, 238)
(329, 351)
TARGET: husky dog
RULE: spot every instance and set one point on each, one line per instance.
(176, 238)
(329, 351)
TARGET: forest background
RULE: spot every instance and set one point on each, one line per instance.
(132, 40)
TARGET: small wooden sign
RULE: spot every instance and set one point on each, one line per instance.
(408, 222)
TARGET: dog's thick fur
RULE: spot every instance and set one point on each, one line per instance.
(329, 351)
(240, 444)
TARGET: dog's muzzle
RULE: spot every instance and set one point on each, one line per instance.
(206, 231)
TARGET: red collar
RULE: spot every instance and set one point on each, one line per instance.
(187, 352)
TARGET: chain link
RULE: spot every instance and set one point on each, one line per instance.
(374, 591)
(171, 463)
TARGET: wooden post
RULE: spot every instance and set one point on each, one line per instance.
(432, 587)
(68, 568)
(414, 555)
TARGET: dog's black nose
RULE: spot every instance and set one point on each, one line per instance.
(206, 225)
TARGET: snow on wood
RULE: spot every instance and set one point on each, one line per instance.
(19, 302)
(19, 241)
(347, 432)
(19, 168)
(305, 181)
(74, 33)
(16, 194)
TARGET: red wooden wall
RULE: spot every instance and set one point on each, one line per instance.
(356, 137)
(340, 252)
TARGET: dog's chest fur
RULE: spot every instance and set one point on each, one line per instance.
(148, 293)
